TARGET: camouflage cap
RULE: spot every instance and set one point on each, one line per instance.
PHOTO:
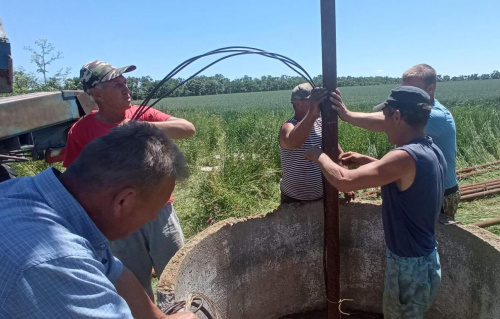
(301, 91)
(96, 72)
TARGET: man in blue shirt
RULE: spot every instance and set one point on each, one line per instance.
(412, 179)
(55, 260)
(441, 127)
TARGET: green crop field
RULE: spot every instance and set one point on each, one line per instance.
(234, 156)
(237, 137)
(455, 92)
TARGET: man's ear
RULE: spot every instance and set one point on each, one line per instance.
(396, 116)
(93, 93)
(124, 201)
(431, 88)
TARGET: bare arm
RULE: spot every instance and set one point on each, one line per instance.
(294, 136)
(353, 158)
(396, 166)
(138, 301)
(176, 128)
(369, 121)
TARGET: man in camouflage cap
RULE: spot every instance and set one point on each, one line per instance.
(96, 72)
(302, 179)
(155, 243)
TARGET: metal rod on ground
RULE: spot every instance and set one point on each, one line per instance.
(468, 169)
(480, 184)
(488, 222)
(479, 194)
(468, 186)
(479, 189)
(372, 192)
(480, 171)
(329, 146)
(14, 158)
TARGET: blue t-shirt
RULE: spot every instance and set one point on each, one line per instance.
(410, 216)
(54, 261)
(441, 127)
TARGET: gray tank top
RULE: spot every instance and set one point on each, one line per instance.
(410, 216)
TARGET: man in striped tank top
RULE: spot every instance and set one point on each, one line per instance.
(412, 177)
(302, 179)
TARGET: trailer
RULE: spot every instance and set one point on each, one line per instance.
(36, 125)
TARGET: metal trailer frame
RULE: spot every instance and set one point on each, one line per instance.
(36, 125)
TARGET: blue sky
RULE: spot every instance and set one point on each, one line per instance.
(373, 37)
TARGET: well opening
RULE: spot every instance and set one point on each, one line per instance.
(271, 266)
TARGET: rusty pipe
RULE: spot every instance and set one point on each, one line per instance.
(14, 158)
(479, 190)
(471, 168)
(480, 185)
(479, 194)
(493, 181)
(487, 223)
(475, 172)
(331, 257)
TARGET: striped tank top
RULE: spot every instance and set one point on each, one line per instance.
(301, 178)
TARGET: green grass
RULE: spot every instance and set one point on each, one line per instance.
(237, 135)
(450, 93)
(481, 208)
(31, 168)
(478, 210)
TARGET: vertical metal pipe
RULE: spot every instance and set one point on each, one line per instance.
(330, 142)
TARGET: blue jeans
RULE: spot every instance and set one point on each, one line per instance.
(411, 285)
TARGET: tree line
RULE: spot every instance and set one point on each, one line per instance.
(44, 55)
(28, 82)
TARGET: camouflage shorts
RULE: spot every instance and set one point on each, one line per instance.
(411, 285)
(450, 205)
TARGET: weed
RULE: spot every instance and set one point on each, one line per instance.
(237, 139)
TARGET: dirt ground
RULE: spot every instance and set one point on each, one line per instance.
(321, 314)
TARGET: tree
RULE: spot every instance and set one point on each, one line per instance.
(140, 86)
(44, 57)
(223, 83)
(194, 87)
(73, 84)
(24, 82)
(212, 87)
